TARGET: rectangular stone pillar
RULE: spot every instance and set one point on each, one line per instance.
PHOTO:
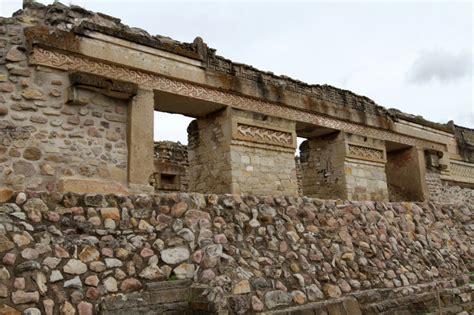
(344, 166)
(237, 152)
(140, 140)
(406, 175)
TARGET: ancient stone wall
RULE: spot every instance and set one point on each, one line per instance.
(209, 155)
(171, 158)
(49, 131)
(443, 191)
(366, 180)
(242, 152)
(322, 167)
(67, 252)
(171, 167)
(344, 166)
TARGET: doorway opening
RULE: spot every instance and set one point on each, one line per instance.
(172, 117)
(404, 173)
(170, 152)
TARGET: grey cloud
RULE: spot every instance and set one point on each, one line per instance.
(440, 65)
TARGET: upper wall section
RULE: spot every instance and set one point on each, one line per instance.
(61, 34)
(111, 78)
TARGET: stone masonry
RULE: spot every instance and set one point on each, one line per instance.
(71, 253)
(171, 167)
(79, 90)
(89, 225)
(345, 166)
(230, 152)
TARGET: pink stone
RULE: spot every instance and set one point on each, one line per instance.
(164, 219)
(130, 284)
(92, 293)
(146, 252)
(92, 280)
(291, 211)
(310, 215)
(85, 308)
(9, 259)
(179, 209)
(29, 253)
(283, 247)
(280, 286)
(219, 222)
(220, 239)
(48, 307)
(19, 283)
(164, 209)
(197, 256)
(257, 305)
(107, 252)
(22, 297)
(53, 216)
(60, 252)
(207, 275)
(77, 210)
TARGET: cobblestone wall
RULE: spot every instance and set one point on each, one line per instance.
(43, 138)
(66, 252)
(447, 192)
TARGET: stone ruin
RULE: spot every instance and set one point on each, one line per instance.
(171, 167)
(79, 90)
(375, 216)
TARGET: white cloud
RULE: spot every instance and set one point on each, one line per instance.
(440, 65)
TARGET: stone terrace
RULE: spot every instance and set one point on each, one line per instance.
(243, 254)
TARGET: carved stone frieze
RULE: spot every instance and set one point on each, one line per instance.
(461, 170)
(264, 135)
(147, 80)
(365, 153)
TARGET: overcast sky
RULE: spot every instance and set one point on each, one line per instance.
(417, 57)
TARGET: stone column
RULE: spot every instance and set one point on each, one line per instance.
(235, 151)
(344, 166)
(140, 140)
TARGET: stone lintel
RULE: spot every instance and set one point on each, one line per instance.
(112, 87)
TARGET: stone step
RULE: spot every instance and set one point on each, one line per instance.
(164, 297)
(342, 306)
(448, 300)
(166, 285)
(167, 308)
(199, 303)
